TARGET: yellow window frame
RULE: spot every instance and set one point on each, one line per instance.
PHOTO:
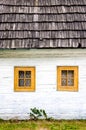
(67, 88)
(17, 88)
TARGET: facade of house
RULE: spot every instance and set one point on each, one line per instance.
(43, 58)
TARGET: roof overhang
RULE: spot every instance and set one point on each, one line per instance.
(42, 53)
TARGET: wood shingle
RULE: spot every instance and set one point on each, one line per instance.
(42, 23)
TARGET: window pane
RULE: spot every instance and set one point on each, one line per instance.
(64, 82)
(71, 73)
(28, 74)
(70, 82)
(21, 74)
(21, 82)
(64, 73)
(27, 82)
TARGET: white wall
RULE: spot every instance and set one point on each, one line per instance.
(57, 104)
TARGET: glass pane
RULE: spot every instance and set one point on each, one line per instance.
(28, 74)
(21, 82)
(64, 82)
(21, 74)
(64, 73)
(70, 82)
(71, 73)
(27, 82)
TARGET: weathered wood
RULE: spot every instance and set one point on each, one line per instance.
(42, 23)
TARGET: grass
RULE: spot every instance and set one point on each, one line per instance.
(43, 125)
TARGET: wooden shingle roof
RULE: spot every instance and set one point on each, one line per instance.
(42, 23)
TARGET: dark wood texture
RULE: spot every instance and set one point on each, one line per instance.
(42, 23)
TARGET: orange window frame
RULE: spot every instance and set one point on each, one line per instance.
(67, 88)
(17, 88)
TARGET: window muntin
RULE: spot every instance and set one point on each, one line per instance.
(24, 78)
(67, 78)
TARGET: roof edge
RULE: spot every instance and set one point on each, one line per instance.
(42, 53)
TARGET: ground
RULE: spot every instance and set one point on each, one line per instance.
(43, 125)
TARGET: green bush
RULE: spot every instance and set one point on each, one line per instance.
(36, 114)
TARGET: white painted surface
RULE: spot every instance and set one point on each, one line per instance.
(57, 104)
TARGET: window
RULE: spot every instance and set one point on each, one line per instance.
(24, 79)
(67, 78)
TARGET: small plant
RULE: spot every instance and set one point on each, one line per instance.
(36, 114)
(1, 120)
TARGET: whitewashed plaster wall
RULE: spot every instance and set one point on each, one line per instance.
(57, 104)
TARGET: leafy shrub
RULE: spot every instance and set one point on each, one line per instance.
(36, 114)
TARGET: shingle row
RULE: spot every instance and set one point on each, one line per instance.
(44, 9)
(43, 2)
(45, 43)
(44, 26)
(42, 34)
